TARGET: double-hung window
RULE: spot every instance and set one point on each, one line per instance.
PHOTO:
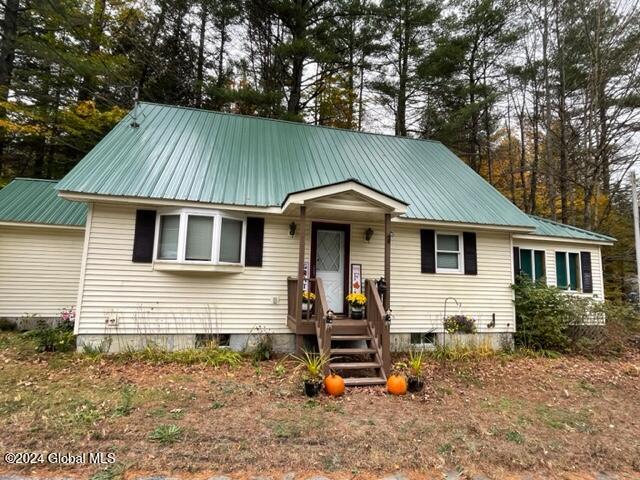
(532, 264)
(449, 253)
(202, 237)
(568, 270)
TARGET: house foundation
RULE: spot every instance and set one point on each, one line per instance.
(283, 342)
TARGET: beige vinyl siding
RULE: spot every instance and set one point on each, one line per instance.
(39, 269)
(550, 248)
(144, 300)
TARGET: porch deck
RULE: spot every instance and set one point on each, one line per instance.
(358, 349)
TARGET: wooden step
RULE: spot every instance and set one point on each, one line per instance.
(348, 338)
(352, 351)
(361, 381)
(353, 365)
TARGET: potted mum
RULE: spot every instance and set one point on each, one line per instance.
(307, 301)
(357, 301)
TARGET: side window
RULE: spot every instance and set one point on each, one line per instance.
(532, 264)
(568, 270)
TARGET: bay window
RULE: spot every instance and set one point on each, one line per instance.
(168, 238)
(200, 237)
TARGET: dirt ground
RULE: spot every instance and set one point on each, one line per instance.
(501, 417)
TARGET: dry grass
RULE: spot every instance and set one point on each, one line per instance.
(495, 416)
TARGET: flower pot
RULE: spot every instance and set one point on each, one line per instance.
(312, 387)
(415, 384)
(357, 312)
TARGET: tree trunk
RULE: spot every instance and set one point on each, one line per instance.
(551, 193)
(200, 63)
(564, 182)
(151, 46)
(7, 56)
(87, 89)
(403, 69)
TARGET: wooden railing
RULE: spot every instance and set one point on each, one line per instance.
(378, 325)
(292, 300)
(324, 323)
(318, 312)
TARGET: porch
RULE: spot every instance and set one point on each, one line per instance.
(359, 349)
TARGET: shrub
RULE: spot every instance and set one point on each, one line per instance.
(460, 324)
(53, 339)
(7, 325)
(548, 319)
(541, 316)
(259, 345)
(609, 337)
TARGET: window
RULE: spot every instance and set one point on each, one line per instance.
(200, 236)
(448, 253)
(567, 270)
(423, 338)
(230, 240)
(532, 264)
(169, 235)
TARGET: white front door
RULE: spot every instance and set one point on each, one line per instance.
(330, 266)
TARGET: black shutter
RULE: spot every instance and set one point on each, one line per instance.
(585, 267)
(254, 242)
(516, 262)
(427, 251)
(470, 253)
(144, 236)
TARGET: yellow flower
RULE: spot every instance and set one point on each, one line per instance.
(356, 298)
(308, 296)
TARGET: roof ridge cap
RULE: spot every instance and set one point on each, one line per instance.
(291, 122)
(35, 179)
(570, 227)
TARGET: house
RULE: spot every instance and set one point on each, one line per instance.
(41, 238)
(204, 223)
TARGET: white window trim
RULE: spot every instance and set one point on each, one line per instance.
(578, 273)
(184, 214)
(455, 271)
(533, 262)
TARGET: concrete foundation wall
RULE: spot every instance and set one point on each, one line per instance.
(281, 343)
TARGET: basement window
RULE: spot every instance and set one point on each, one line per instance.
(423, 338)
(200, 237)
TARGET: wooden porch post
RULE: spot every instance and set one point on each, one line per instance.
(302, 228)
(387, 259)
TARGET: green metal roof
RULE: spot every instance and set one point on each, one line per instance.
(29, 200)
(182, 153)
(549, 228)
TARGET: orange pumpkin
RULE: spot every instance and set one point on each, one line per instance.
(397, 385)
(334, 385)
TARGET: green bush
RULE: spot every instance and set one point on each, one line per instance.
(53, 339)
(550, 320)
(542, 314)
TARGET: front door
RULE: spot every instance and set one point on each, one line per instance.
(330, 262)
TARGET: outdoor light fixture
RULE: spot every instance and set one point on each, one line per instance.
(368, 234)
(292, 229)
